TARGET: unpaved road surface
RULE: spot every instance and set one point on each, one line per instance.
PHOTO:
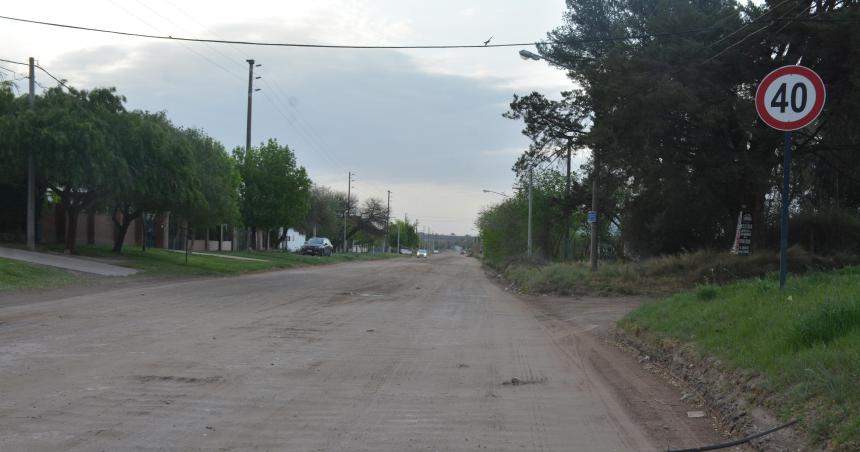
(394, 355)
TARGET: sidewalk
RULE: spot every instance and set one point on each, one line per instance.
(67, 262)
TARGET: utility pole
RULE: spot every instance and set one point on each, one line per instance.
(346, 212)
(251, 91)
(388, 223)
(567, 211)
(529, 239)
(31, 171)
(594, 228)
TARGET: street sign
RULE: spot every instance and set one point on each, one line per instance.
(592, 216)
(789, 98)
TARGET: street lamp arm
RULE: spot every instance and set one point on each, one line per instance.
(495, 192)
(526, 55)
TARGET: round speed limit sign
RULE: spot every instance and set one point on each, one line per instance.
(789, 98)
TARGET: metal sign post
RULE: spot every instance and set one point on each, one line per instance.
(783, 226)
(787, 99)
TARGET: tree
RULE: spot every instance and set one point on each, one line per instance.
(324, 213)
(672, 115)
(218, 180)
(407, 232)
(368, 225)
(274, 190)
(556, 130)
(74, 148)
(161, 171)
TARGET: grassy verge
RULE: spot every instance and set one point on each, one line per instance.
(21, 275)
(804, 342)
(660, 276)
(161, 262)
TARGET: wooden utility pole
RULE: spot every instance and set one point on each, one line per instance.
(31, 171)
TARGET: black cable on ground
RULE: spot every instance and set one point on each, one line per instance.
(736, 443)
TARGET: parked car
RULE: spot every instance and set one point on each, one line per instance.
(317, 246)
(405, 251)
(421, 253)
(435, 251)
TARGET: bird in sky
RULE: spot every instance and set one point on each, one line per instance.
(487, 42)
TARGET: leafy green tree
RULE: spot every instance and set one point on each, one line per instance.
(218, 182)
(408, 233)
(672, 120)
(74, 148)
(275, 191)
(161, 171)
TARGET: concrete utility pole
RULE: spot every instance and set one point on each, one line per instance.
(388, 223)
(594, 228)
(251, 91)
(31, 171)
(346, 212)
(529, 238)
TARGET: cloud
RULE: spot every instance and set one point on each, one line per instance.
(424, 124)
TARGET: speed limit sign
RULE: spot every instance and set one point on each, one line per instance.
(789, 98)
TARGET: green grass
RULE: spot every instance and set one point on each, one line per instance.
(21, 275)
(803, 341)
(663, 275)
(159, 262)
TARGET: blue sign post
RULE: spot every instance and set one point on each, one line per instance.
(592, 216)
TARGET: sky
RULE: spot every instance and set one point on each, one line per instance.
(425, 124)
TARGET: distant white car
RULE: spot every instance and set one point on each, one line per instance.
(405, 251)
(435, 251)
(421, 253)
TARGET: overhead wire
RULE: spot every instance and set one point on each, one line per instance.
(282, 108)
(37, 66)
(347, 46)
(277, 108)
(803, 9)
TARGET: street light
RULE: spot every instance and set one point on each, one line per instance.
(495, 192)
(526, 55)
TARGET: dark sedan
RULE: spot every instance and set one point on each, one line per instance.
(317, 246)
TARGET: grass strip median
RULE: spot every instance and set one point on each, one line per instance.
(22, 275)
(804, 343)
(159, 262)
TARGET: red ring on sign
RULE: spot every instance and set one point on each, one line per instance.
(787, 126)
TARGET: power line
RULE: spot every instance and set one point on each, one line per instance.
(343, 46)
(788, 21)
(61, 82)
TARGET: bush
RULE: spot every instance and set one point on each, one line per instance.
(828, 232)
(662, 275)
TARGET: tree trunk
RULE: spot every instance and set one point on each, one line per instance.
(72, 228)
(281, 239)
(122, 226)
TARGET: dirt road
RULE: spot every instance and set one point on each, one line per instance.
(378, 356)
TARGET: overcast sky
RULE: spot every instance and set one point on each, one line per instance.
(425, 124)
